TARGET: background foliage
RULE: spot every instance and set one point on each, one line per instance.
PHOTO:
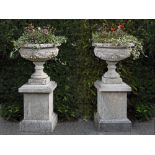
(76, 68)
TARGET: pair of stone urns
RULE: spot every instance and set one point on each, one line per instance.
(111, 112)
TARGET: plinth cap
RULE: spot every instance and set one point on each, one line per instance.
(112, 87)
(27, 88)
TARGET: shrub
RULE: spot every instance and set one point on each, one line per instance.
(12, 112)
(141, 111)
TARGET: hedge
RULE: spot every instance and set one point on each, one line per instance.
(76, 69)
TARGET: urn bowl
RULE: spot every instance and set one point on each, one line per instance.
(39, 52)
(109, 52)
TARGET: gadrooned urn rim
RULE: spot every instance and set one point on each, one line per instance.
(110, 45)
(40, 46)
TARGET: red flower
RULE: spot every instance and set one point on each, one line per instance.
(113, 29)
(121, 26)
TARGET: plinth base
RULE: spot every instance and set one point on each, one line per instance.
(112, 125)
(39, 125)
(112, 107)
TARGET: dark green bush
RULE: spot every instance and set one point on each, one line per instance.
(141, 111)
(76, 69)
(13, 112)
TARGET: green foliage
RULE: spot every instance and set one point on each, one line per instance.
(13, 112)
(76, 68)
(143, 112)
(38, 35)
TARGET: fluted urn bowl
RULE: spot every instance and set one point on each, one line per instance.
(112, 54)
(39, 54)
(109, 52)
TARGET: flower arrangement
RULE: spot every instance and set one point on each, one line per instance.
(38, 35)
(117, 36)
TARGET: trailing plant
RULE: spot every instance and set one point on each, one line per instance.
(117, 36)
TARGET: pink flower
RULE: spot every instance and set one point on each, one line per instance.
(121, 26)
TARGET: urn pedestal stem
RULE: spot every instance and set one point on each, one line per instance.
(39, 76)
(111, 76)
(39, 71)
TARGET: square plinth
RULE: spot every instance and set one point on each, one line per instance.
(38, 108)
(112, 107)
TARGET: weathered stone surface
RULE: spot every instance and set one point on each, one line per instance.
(39, 52)
(38, 107)
(122, 125)
(111, 76)
(39, 125)
(111, 53)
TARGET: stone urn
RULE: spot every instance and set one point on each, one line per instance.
(111, 112)
(38, 92)
(112, 55)
(39, 54)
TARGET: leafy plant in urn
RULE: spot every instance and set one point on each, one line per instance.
(113, 44)
(38, 44)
